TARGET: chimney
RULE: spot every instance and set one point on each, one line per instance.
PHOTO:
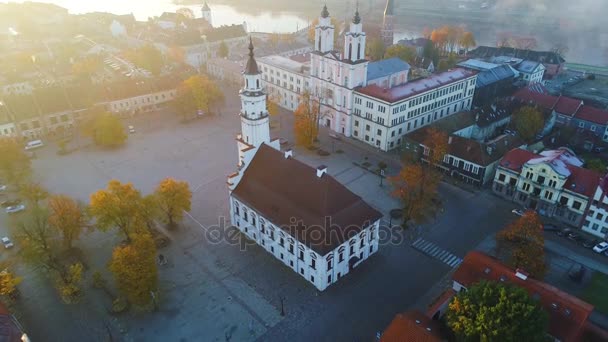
(288, 153)
(449, 140)
(521, 274)
(321, 170)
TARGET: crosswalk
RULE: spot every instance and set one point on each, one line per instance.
(436, 252)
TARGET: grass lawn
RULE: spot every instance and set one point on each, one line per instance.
(595, 293)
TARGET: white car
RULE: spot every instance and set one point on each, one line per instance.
(601, 247)
(518, 212)
(131, 129)
(7, 242)
(2, 187)
(15, 209)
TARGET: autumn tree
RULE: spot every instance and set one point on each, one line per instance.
(67, 217)
(8, 284)
(306, 118)
(436, 142)
(528, 121)
(522, 244)
(491, 311)
(272, 105)
(15, 166)
(70, 288)
(416, 187)
(134, 269)
(405, 53)
(106, 130)
(34, 193)
(467, 41)
(86, 67)
(147, 57)
(197, 93)
(223, 50)
(375, 49)
(117, 206)
(173, 197)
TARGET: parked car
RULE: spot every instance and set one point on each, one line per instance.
(601, 247)
(7, 242)
(573, 236)
(131, 129)
(3, 187)
(576, 272)
(564, 232)
(551, 228)
(590, 243)
(15, 209)
(518, 212)
(9, 203)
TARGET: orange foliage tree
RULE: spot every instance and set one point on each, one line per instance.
(306, 121)
(437, 143)
(416, 187)
(522, 244)
(117, 206)
(173, 198)
(67, 217)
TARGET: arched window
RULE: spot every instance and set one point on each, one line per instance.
(257, 82)
(319, 48)
(350, 51)
(359, 51)
(247, 83)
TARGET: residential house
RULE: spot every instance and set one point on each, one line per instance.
(596, 220)
(412, 326)
(553, 183)
(568, 315)
(552, 61)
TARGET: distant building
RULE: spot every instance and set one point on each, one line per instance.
(225, 70)
(206, 14)
(388, 24)
(315, 225)
(417, 43)
(554, 183)
(552, 61)
(493, 80)
(285, 79)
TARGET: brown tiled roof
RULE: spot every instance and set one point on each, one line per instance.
(412, 326)
(516, 158)
(592, 114)
(527, 95)
(567, 314)
(567, 105)
(319, 212)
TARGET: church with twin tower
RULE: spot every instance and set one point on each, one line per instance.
(299, 214)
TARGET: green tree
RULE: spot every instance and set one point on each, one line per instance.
(173, 198)
(598, 165)
(117, 206)
(522, 244)
(15, 166)
(405, 53)
(134, 269)
(223, 50)
(528, 121)
(375, 49)
(106, 130)
(490, 311)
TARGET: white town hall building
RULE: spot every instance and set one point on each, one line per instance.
(301, 215)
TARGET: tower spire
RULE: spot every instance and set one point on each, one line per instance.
(325, 12)
(357, 18)
(252, 66)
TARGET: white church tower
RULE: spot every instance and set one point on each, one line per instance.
(255, 127)
(354, 40)
(206, 13)
(324, 33)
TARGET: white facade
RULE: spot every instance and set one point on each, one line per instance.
(596, 221)
(383, 122)
(285, 80)
(534, 75)
(319, 270)
(144, 102)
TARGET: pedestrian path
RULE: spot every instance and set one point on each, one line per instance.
(434, 251)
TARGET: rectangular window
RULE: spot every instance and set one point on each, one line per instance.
(313, 264)
(329, 264)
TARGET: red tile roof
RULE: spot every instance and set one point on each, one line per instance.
(516, 158)
(592, 114)
(582, 181)
(530, 96)
(567, 314)
(415, 87)
(412, 326)
(567, 105)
